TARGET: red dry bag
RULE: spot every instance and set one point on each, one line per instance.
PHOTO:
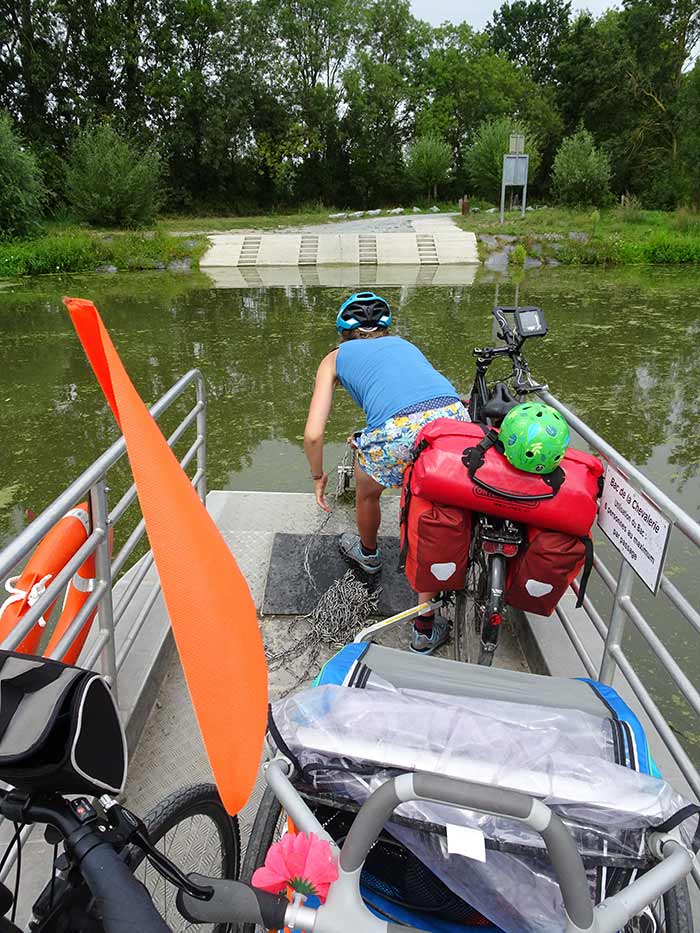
(459, 463)
(434, 544)
(547, 564)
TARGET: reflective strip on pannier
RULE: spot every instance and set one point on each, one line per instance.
(434, 543)
(547, 564)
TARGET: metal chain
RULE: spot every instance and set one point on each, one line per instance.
(341, 610)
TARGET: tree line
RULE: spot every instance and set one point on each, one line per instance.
(252, 105)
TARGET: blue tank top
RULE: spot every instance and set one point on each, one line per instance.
(384, 375)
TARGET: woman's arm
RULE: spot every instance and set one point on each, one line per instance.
(319, 411)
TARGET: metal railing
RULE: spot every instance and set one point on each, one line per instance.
(101, 651)
(625, 610)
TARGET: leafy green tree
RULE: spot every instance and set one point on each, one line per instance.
(688, 118)
(596, 90)
(380, 97)
(463, 82)
(314, 40)
(429, 163)
(662, 35)
(109, 182)
(22, 193)
(30, 53)
(530, 32)
(257, 102)
(581, 173)
(484, 158)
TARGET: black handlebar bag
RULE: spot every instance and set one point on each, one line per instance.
(60, 730)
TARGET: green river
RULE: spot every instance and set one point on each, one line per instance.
(623, 352)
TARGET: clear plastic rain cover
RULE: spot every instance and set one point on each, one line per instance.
(349, 741)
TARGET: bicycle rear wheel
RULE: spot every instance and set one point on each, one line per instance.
(469, 610)
(269, 826)
(193, 829)
(672, 913)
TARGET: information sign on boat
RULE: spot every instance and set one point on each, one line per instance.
(639, 531)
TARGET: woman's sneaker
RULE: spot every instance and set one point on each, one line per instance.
(426, 644)
(350, 548)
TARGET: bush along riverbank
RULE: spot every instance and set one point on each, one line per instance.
(625, 235)
(80, 251)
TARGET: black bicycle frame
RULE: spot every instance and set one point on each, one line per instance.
(523, 383)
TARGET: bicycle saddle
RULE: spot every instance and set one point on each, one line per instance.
(499, 404)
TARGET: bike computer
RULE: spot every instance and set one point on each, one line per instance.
(530, 322)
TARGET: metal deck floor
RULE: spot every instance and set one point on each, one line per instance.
(170, 752)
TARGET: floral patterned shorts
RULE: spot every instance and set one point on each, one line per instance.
(385, 452)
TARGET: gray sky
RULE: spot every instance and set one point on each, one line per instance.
(478, 12)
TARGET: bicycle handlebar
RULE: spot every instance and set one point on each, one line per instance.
(564, 855)
(506, 332)
(235, 900)
(523, 383)
(344, 909)
(124, 903)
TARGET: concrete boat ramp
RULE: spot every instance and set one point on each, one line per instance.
(372, 248)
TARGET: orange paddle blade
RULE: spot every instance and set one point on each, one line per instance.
(208, 601)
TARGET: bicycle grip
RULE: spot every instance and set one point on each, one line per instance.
(233, 901)
(123, 902)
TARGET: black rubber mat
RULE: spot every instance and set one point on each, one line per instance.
(288, 590)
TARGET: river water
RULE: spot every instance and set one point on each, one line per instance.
(623, 352)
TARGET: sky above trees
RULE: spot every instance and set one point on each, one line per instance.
(478, 12)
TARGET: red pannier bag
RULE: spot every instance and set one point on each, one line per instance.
(540, 574)
(434, 543)
(458, 463)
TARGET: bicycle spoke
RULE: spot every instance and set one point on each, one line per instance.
(475, 602)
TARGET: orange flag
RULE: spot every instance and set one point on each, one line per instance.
(208, 601)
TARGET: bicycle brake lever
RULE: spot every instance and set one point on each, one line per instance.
(172, 873)
(529, 385)
(126, 827)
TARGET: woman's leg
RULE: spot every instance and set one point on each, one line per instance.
(367, 508)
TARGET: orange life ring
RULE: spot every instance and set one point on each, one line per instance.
(79, 588)
(52, 554)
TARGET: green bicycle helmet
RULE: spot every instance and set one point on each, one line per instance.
(534, 437)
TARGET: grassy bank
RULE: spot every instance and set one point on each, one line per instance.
(619, 236)
(66, 247)
(215, 224)
(77, 250)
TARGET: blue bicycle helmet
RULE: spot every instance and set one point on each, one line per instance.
(363, 309)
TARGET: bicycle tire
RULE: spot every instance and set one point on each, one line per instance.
(474, 602)
(678, 913)
(265, 830)
(196, 803)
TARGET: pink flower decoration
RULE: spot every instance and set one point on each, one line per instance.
(300, 861)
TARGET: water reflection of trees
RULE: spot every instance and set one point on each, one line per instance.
(621, 351)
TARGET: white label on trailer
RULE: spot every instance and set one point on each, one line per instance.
(638, 530)
(463, 840)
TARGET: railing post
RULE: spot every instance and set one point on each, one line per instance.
(103, 573)
(202, 438)
(616, 628)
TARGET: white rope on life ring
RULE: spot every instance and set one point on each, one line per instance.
(17, 595)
